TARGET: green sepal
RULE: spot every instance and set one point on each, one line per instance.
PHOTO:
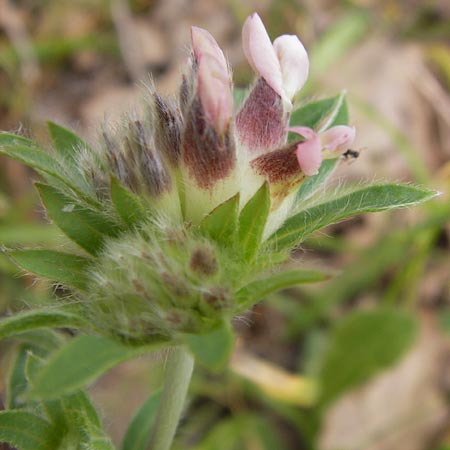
(27, 431)
(363, 344)
(86, 227)
(252, 221)
(140, 427)
(128, 205)
(80, 362)
(35, 319)
(221, 223)
(258, 289)
(66, 268)
(212, 349)
(372, 198)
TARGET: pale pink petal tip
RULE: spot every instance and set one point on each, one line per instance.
(259, 51)
(204, 43)
(338, 138)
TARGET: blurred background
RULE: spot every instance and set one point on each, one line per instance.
(82, 62)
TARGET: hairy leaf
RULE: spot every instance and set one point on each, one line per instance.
(252, 221)
(31, 320)
(65, 141)
(26, 431)
(80, 362)
(127, 205)
(86, 227)
(373, 198)
(221, 223)
(66, 268)
(257, 290)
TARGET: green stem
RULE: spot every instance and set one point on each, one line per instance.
(177, 376)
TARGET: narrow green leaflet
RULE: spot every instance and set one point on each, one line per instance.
(31, 320)
(363, 344)
(138, 432)
(212, 349)
(65, 141)
(252, 221)
(84, 226)
(66, 268)
(17, 382)
(377, 197)
(256, 290)
(80, 362)
(128, 206)
(11, 139)
(26, 431)
(313, 114)
(221, 223)
(311, 184)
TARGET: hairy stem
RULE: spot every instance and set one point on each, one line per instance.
(178, 374)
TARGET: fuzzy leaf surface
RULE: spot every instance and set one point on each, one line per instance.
(66, 268)
(138, 432)
(252, 221)
(11, 139)
(65, 141)
(128, 206)
(221, 223)
(363, 344)
(257, 290)
(32, 320)
(313, 114)
(80, 362)
(212, 349)
(27, 431)
(373, 198)
(86, 227)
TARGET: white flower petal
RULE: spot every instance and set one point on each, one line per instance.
(294, 63)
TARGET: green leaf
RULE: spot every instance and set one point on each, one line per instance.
(40, 318)
(252, 221)
(372, 198)
(311, 184)
(65, 141)
(66, 268)
(214, 348)
(17, 382)
(11, 139)
(257, 290)
(26, 431)
(81, 361)
(221, 223)
(138, 432)
(86, 227)
(127, 205)
(363, 344)
(313, 114)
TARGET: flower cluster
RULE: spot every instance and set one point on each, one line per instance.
(179, 211)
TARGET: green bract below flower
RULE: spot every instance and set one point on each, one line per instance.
(184, 216)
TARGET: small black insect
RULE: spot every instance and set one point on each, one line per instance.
(350, 154)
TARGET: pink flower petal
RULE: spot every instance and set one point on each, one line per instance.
(214, 89)
(203, 42)
(338, 138)
(294, 63)
(309, 155)
(260, 53)
(309, 152)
